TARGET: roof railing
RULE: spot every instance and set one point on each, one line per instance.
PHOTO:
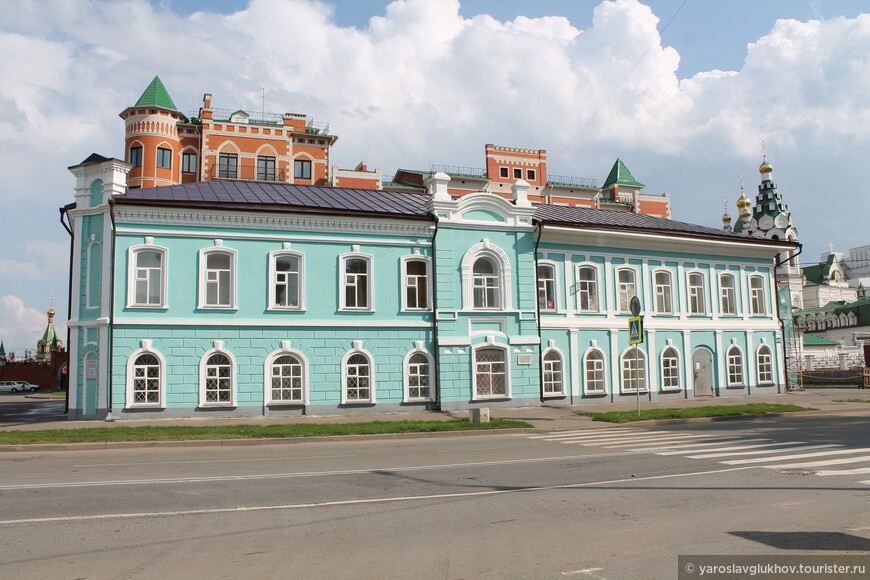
(458, 170)
(589, 182)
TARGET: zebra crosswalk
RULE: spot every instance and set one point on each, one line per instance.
(822, 459)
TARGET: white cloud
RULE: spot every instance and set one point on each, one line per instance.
(21, 327)
(421, 84)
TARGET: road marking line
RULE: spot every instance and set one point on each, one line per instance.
(583, 571)
(655, 441)
(630, 440)
(291, 475)
(591, 437)
(859, 471)
(713, 452)
(288, 458)
(590, 432)
(666, 444)
(797, 456)
(244, 509)
(820, 463)
(741, 446)
(666, 449)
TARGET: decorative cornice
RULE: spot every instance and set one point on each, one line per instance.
(363, 224)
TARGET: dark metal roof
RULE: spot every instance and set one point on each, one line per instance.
(587, 217)
(260, 195)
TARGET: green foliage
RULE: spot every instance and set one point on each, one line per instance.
(691, 412)
(185, 433)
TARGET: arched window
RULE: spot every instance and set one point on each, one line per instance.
(757, 302)
(145, 378)
(587, 288)
(287, 373)
(217, 380)
(546, 286)
(796, 301)
(94, 275)
(764, 363)
(664, 292)
(486, 284)
(626, 285)
(735, 366)
(670, 370)
(358, 378)
(594, 367)
(97, 192)
(697, 302)
(146, 283)
(553, 374)
(727, 294)
(843, 320)
(810, 323)
(852, 319)
(634, 371)
(418, 376)
(490, 372)
(217, 282)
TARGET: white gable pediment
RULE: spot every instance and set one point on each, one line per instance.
(483, 209)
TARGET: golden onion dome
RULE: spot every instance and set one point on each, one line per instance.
(50, 312)
(765, 166)
(744, 213)
(726, 218)
(743, 201)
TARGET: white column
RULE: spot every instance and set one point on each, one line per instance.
(615, 374)
(574, 357)
(653, 361)
(680, 286)
(609, 289)
(721, 362)
(645, 284)
(750, 359)
(688, 368)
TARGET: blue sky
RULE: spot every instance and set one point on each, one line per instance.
(416, 82)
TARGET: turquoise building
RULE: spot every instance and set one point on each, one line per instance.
(248, 298)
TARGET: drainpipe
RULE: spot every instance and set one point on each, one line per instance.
(538, 319)
(777, 264)
(436, 406)
(63, 214)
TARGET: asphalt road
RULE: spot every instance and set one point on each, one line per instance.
(19, 409)
(615, 502)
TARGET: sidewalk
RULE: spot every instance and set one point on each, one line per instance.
(547, 417)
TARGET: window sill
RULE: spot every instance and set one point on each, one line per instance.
(362, 310)
(767, 384)
(491, 398)
(285, 403)
(152, 406)
(410, 401)
(672, 389)
(358, 402)
(596, 393)
(416, 310)
(736, 386)
(643, 392)
(217, 405)
(286, 309)
(554, 395)
(227, 308)
(147, 307)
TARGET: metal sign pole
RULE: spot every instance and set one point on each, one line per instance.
(634, 306)
(636, 381)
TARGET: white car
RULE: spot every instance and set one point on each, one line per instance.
(16, 386)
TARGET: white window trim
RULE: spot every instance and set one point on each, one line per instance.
(273, 257)
(406, 375)
(679, 367)
(758, 364)
(357, 349)
(561, 392)
(597, 269)
(704, 293)
(734, 299)
(203, 255)
(728, 366)
(493, 252)
(629, 354)
(130, 398)
(637, 282)
(507, 372)
(131, 276)
(603, 389)
(267, 376)
(404, 285)
(203, 363)
(370, 285)
(556, 297)
(655, 296)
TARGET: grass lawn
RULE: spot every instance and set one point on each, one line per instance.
(184, 433)
(852, 400)
(687, 413)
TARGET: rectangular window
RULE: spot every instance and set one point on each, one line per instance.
(356, 282)
(634, 372)
(490, 372)
(546, 287)
(756, 291)
(302, 169)
(228, 165)
(148, 277)
(189, 163)
(286, 281)
(265, 168)
(727, 294)
(217, 281)
(136, 156)
(696, 294)
(416, 285)
(664, 301)
(503, 172)
(530, 174)
(587, 288)
(518, 173)
(627, 289)
(164, 158)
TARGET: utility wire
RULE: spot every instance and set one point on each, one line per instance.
(625, 78)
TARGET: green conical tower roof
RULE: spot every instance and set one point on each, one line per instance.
(156, 95)
(620, 175)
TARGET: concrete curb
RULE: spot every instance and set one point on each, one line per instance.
(35, 447)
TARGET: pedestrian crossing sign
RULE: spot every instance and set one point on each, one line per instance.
(635, 330)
